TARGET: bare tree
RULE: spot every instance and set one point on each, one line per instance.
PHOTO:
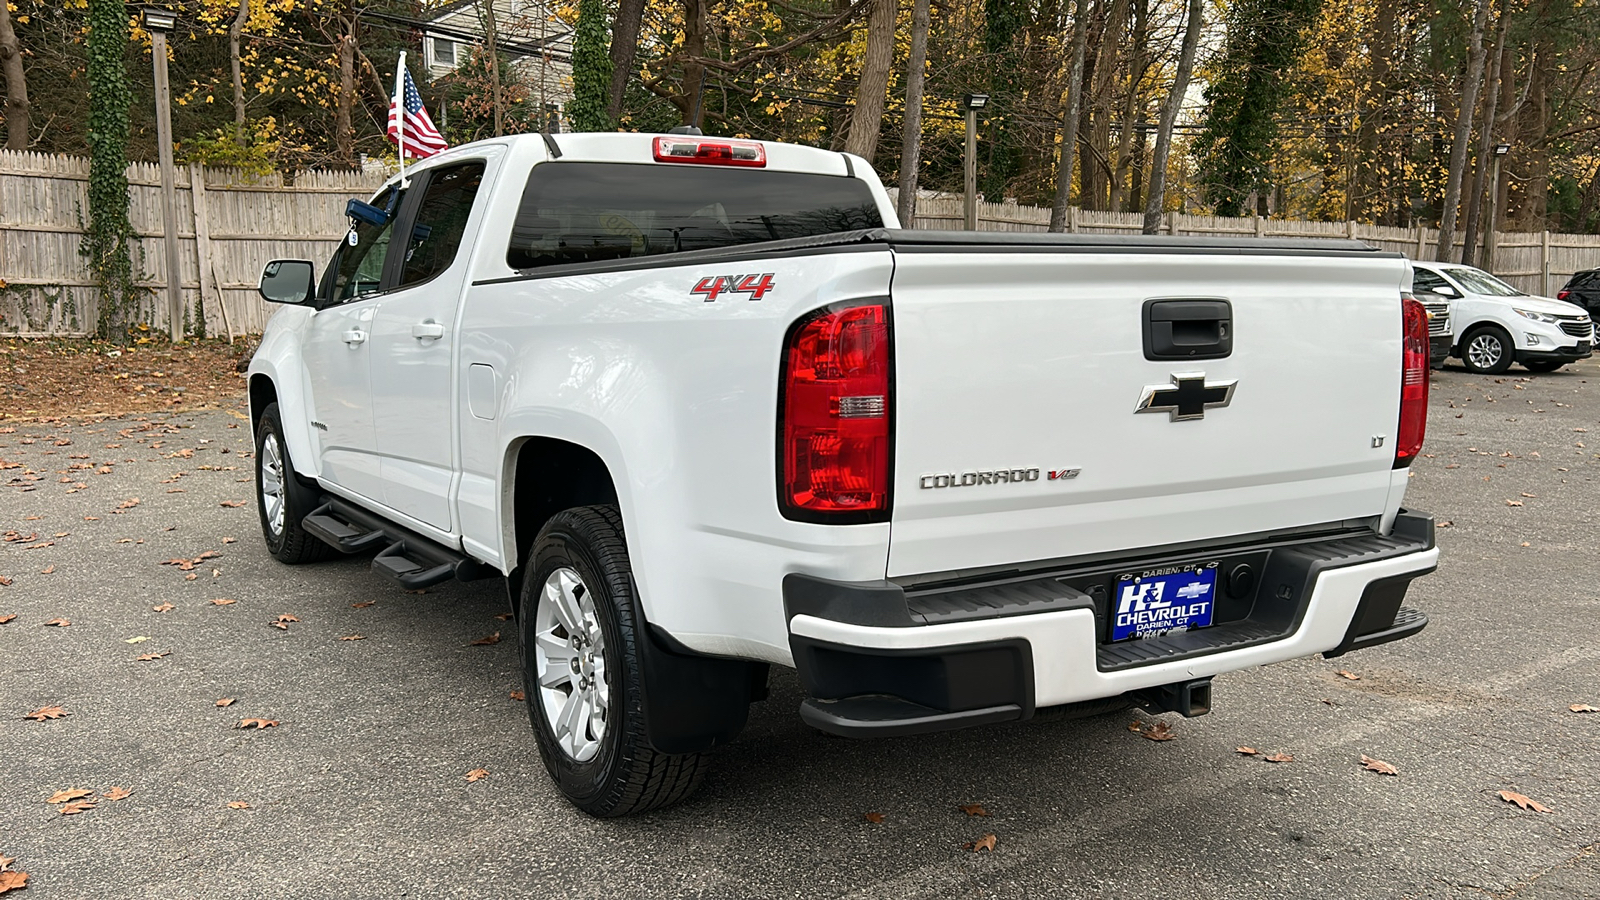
(235, 31)
(1138, 63)
(624, 42)
(911, 141)
(492, 39)
(1463, 131)
(1491, 103)
(1069, 117)
(1156, 199)
(18, 122)
(867, 117)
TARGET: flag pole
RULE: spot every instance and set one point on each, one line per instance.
(400, 107)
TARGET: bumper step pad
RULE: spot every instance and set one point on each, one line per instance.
(879, 715)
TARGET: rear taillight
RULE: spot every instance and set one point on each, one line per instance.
(1562, 294)
(834, 414)
(1413, 382)
(710, 151)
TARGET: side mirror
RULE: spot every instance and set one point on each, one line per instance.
(291, 281)
(366, 212)
(1445, 290)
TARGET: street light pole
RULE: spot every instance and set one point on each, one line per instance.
(973, 103)
(159, 23)
(1492, 239)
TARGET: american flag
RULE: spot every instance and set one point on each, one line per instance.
(422, 139)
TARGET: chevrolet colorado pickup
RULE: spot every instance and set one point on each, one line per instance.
(706, 408)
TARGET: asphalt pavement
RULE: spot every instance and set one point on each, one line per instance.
(361, 789)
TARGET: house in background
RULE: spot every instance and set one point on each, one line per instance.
(538, 43)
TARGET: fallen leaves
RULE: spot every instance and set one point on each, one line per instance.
(4, 581)
(973, 809)
(185, 565)
(1279, 758)
(165, 607)
(486, 641)
(12, 881)
(1523, 801)
(72, 809)
(257, 724)
(1377, 765)
(7, 618)
(1513, 502)
(1153, 731)
(129, 503)
(222, 601)
(1348, 676)
(364, 604)
(58, 623)
(1246, 751)
(47, 712)
(875, 818)
(225, 701)
(1273, 758)
(985, 843)
(238, 804)
(139, 639)
(117, 793)
(283, 620)
(232, 504)
(1576, 707)
(69, 795)
(477, 774)
(149, 656)
(48, 570)
(518, 696)
(354, 637)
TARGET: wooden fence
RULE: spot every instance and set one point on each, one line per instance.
(229, 224)
(1536, 262)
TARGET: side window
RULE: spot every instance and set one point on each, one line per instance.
(357, 268)
(441, 221)
(1426, 280)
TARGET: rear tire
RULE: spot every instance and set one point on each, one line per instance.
(282, 499)
(1543, 365)
(1487, 351)
(579, 641)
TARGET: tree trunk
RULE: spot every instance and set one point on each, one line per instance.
(18, 123)
(1156, 199)
(344, 135)
(1137, 63)
(492, 38)
(1380, 93)
(867, 118)
(235, 31)
(1102, 94)
(624, 42)
(694, 73)
(1491, 102)
(911, 141)
(1463, 131)
(1069, 117)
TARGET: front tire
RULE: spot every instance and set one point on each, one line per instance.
(282, 499)
(579, 640)
(1543, 365)
(1487, 351)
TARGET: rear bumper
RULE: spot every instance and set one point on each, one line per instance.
(1439, 348)
(978, 657)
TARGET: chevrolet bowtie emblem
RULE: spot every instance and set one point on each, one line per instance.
(1188, 397)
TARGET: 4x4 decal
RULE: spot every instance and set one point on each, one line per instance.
(754, 285)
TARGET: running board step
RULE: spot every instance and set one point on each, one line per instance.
(326, 523)
(408, 559)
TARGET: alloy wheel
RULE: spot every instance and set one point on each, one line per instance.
(569, 659)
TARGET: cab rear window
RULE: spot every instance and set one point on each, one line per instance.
(579, 212)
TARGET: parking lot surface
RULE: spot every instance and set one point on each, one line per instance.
(361, 789)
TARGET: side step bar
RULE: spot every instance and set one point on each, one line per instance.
(407, 558)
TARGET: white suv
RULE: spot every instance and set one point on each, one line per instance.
(1493, 324)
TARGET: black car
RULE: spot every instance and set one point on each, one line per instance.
(1583, 288)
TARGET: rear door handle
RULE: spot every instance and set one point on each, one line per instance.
(427, 329)
(354, 336)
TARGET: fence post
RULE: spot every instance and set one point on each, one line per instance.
(1544, 264)
(1422, 241)
(1172, 224)
(1261, 226)
(1072, 220)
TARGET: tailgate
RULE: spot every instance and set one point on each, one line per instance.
(1015, 366)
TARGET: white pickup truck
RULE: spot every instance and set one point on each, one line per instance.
(706, 408)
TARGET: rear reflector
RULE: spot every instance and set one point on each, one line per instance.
(710, 151)
(834, 411)
(1562, 295)
(1413, 381)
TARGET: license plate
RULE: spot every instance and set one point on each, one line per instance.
(1163, 601)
